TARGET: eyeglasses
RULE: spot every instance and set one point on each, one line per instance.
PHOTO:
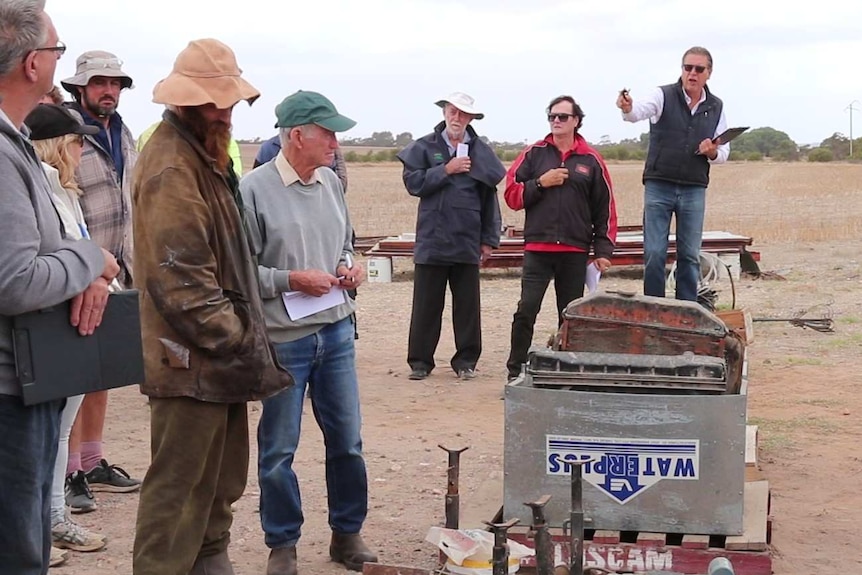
(560, 117)
(690, 67)
(79, 139)
(60, 49)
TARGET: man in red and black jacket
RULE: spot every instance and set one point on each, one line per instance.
(565, 188)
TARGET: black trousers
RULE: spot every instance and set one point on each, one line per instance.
(569, 271)
(429, 296)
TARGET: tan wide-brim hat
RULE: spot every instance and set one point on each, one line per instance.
(96, 63)
(205, 72)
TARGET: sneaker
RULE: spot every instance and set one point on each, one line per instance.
(58, 557)
(67, 534)
(466, 373)
(112, 479)
(79, 498)
(418, 374)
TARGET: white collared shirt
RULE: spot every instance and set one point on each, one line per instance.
(289, 175)
(651, 107)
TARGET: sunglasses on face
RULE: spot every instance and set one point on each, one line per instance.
(560, 117)
(690, 67)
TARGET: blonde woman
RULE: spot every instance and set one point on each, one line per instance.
(58, 137)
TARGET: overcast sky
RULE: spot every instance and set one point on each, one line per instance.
(384, 62)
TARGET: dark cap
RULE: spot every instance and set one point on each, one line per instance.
(303, 107)
(48, 121)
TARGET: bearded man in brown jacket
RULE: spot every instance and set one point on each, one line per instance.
(205, 344)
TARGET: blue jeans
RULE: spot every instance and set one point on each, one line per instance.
(325, 362)
(29, 437)
(661, 201)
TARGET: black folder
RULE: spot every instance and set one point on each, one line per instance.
(54, 361)
(729, 135)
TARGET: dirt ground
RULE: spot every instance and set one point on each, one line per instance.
(804, 396)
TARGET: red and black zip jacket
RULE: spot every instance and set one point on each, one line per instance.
(574, 216)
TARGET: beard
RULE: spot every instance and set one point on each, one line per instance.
(214, 136)
(106, 107)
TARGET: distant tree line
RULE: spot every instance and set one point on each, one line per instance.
(752, 146)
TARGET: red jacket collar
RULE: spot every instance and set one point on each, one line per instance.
(580, 145)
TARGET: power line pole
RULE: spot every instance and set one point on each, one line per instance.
(851, 109)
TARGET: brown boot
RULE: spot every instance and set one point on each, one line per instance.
(350, 549)
(218, 564)
(282, 561)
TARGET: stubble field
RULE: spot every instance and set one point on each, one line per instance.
(805, 396)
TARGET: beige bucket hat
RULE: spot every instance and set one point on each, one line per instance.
(205, 72)
(96, 63)
(463, 102)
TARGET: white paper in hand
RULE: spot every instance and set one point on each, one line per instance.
(462, 151)
(299, 305)
(593, 275)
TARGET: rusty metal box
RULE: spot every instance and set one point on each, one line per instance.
(661, 463)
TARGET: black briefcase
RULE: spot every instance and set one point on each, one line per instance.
(54, 361)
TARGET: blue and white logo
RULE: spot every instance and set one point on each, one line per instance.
(624, 468)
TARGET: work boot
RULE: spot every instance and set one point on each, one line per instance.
(282, 561)
(350, 549)
(218, 564)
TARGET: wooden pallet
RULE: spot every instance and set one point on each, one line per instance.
(510, 253)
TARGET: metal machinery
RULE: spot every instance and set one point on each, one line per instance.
(649, 392)
(625, 441)
(648, 397)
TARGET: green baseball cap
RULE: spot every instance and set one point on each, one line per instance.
(303, 107)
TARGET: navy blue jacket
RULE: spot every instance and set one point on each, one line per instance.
(457, 213)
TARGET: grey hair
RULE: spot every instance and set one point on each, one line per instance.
(284, 133)
(284, 136)
(699, 51)
(22, 30)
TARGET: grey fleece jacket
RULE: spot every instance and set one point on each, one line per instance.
(298, 227)
(38, 266)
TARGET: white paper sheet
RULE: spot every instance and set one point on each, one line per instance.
(299, 305)
(462, 151)
(593, 275)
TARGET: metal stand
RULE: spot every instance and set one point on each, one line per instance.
(501, 545)
(453, 499)
(575, 524)
(542, 537)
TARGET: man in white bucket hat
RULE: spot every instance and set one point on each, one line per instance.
(455, 175)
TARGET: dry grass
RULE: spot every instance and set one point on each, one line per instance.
(249, 151)
(771, 202)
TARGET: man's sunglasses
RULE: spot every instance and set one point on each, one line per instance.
(560, 117)
(690, 67)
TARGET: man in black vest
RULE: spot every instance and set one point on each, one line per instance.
(684, 117)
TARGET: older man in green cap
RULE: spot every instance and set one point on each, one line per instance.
(301, 234)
